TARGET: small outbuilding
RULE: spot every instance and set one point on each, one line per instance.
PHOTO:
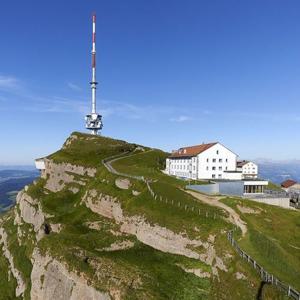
(288, 184)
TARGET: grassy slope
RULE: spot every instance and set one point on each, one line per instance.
(273, 187)
(169, 278)
(159, 275)
(76, 242)
(7, 281)
(21, 256)
(273, 239)
(147, 164)
(158, 271)
(88, 150)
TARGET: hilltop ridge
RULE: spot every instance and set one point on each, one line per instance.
(83, 232)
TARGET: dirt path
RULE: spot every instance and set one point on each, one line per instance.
(214, 201)
(108, 161)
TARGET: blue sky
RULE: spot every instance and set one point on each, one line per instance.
(172, 73)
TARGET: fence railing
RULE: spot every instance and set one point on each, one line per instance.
(189, 208)
(264, 275)
(181, 205)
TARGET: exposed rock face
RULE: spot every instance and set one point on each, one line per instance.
(56, 227)
(20, 289)
(155, 236)
(30, 212)
(135, 193)
(197, 272)
(122, 183)
(240, 276)
(248, 210)
(74, 190)
(69, 141)
(119, 246)
(58, 175)
(51, 280)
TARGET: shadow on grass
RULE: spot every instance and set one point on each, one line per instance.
(259, 295)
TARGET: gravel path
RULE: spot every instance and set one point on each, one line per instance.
(108, 161)
(214, 201)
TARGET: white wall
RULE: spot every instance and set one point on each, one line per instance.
(182, 167)
(209, 164)
(250, 169)
(233, 175)
(40, 164)
(282, 202)
(214, 161)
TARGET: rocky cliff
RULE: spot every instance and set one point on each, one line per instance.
(76, 234)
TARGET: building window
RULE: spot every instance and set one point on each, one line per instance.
(207, 160)
(220, 176)
(226, 168)
(213, 168)
(217, 151)
(214, 160)
(220, 160)
(207, 168)
(220, 168)
(226, 159)
(213, 176)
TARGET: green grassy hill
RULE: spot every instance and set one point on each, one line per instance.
(85, 239)
(273, 238)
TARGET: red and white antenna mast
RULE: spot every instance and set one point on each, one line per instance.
(94, 120)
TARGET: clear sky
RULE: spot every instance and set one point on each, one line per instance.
(172, 73)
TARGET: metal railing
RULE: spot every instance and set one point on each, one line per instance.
(264, 275)
(180, 205)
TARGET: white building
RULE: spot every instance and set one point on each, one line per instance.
(40, 164)
(248, 168)
(207, 161)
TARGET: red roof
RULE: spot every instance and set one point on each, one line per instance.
(241, 163)
(288, 183)
(192, 150)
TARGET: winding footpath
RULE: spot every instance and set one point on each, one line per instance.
(214, 201)
(210, 200)
(108, 161)
(233, 218)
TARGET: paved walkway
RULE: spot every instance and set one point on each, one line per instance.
(214, 201)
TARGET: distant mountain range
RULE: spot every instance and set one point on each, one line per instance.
(12, 181)
(278, 171)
